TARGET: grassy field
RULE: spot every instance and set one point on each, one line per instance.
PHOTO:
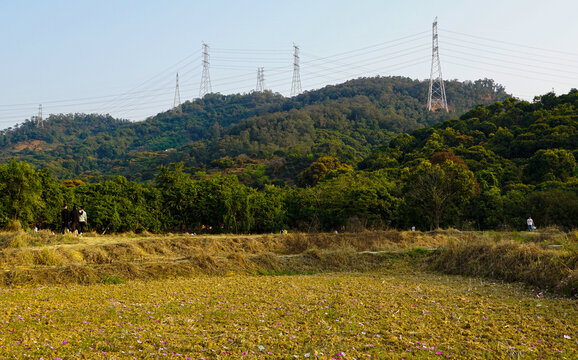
(325, 296)
(384, 315)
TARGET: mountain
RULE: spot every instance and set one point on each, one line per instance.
(260, 131)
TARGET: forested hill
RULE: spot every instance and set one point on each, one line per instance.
(523, 157)
(260, 131)
(490, 168)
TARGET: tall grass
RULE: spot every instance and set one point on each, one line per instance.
(537, 262)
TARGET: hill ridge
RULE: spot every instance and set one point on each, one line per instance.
(347, 120)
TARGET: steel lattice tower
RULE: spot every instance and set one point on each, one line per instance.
(296, 84)
(260, 80)
(437, 92)
(177, 101)
(206, 78)
(39, 121)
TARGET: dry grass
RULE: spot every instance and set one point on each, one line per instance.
(24, 249)
(537, 263)
(545, 259)
(379, 315)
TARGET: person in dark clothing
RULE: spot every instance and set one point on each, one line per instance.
(74, 218)
(65, 218)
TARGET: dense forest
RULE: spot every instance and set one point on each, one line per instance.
(489, 168)
(241, 134)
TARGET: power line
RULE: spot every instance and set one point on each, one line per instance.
(523, 76)
(122, 98)
(520, 55)
(511, 43)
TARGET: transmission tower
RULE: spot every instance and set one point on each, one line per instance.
(206, 78)
(437, 92)
(177, 101)
(296, 84)
(260, 80)
(39, 117)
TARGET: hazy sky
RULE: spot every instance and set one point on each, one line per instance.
(121, 56)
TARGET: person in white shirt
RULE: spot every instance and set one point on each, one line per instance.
(530, 223)
(81, 220)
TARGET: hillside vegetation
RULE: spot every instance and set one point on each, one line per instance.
(491, 168)
(233, 132)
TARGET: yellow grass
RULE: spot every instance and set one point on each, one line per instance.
(385, 315)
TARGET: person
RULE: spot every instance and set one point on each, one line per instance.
(81, 220)
(65, 218)
(74, 219)
(530, 224)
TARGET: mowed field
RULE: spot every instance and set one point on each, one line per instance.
(379, 302)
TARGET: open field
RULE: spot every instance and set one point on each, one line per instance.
(386, 315)
(341, 296)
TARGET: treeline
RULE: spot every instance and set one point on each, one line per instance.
(344, 200)
(228, 133)
(437, 193)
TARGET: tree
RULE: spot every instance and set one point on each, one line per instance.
(338, 202)
(20, 197)
(54, 196)
(554, 207)
(119, 205)
(436, 192)
(178, 193)
(319, 168)
(550, 164)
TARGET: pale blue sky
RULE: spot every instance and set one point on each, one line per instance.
(121, 56)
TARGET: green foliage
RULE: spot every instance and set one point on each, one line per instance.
(437, 193)
(325, 160)
(319, 169)
(119, 205)
(20, 193)
(554, 207)
(348, 201)
(549, 165)
(345, 121)
(112, 280)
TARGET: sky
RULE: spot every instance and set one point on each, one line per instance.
(121, 57)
